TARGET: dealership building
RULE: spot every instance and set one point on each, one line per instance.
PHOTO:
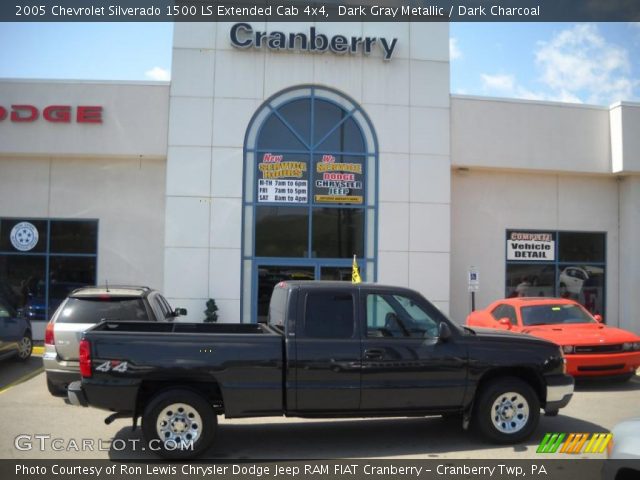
(281, 150)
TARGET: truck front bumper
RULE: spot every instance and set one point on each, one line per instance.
(76, 395)
(559, 392)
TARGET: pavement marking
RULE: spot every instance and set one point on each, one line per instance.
(38, 350)
(24, 378)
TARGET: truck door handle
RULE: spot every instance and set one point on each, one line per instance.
(374, 354)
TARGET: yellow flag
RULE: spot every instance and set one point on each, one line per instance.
(355, 272)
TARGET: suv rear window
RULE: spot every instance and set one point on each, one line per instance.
(93, 310)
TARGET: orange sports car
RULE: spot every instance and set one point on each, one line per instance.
(591, 348)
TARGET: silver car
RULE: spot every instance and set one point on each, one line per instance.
(623, 452)
(82, 309)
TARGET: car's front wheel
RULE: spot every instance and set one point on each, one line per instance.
(25, 347)
(179, 424)
(507, 410)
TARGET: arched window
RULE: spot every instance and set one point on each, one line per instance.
(310, 193)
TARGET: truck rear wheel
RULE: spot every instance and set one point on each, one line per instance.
(508, 410)
(179, 424)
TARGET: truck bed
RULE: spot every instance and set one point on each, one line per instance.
(125, 326)
(243, 361)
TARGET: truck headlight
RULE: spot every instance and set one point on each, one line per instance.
(568, 348)
(564, 361)
(626, 346)
(636, 345)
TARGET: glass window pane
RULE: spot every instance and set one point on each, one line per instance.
(281, 231)
(581, 247)
(22, 284)
(338, 179)
(329, 315)
(326, 117)
(584, 284)
(74, 236)
(342, 274)
(23, 235)
(346, 138)
(298, 115)
(67, 274)
(338, 232)
(527, 280)
(275, 135)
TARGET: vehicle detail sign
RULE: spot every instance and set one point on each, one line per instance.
(531, 246)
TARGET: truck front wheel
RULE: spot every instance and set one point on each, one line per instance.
(507, 411)
(179, 424)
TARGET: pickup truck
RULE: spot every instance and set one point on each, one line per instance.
(329, 349)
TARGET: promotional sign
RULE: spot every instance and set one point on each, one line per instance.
(338, 182)
(282, 181)
(531, 246)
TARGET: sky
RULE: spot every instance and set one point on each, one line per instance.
(597, 63)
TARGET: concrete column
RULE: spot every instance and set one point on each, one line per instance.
(630, 253)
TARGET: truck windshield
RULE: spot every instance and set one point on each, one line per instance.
(554, 314)
(96, 309)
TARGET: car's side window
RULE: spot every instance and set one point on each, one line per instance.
(398, 316)
(164, 305)
(156, 306)
(505, 311)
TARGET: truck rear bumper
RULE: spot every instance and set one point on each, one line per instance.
(76, 395)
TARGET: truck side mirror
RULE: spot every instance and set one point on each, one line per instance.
(444, 332)
(505, 322)
(598, 318)
(179, 312)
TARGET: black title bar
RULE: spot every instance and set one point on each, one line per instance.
(320, 11)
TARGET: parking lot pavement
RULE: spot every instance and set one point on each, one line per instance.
(14, 372)
(594, 408)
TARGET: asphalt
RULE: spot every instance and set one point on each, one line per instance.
(24, 399)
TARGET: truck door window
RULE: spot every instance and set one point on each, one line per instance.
(398, 316)
(328, 315)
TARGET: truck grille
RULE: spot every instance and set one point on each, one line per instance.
(599, 348)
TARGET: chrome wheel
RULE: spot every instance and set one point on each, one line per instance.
(25, 347)
(510, 412)
(179, 424)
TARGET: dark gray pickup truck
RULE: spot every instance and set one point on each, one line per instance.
(330, 349)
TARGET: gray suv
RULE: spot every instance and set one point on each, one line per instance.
(83, 308)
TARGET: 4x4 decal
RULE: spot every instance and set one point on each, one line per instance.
(113, 365)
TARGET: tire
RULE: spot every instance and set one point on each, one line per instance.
(56, 390)
(507, 411)
(176, 417)
(25, 347)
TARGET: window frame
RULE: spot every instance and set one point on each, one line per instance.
(252, 156)
(557, 264)
(48, 254)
